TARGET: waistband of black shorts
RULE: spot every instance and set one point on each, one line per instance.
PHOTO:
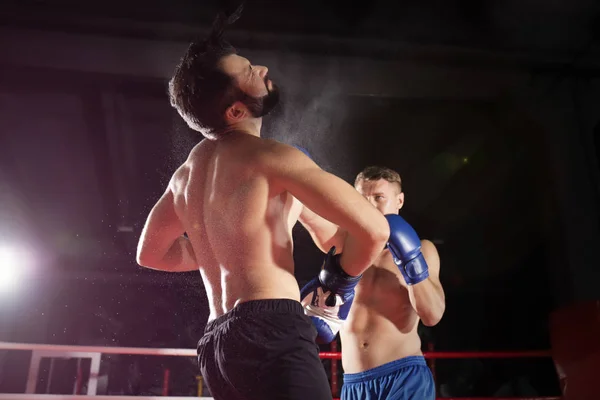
(253, 307)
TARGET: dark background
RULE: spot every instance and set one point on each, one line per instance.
(487, 109)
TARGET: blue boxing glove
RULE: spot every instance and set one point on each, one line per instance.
(328, 297)
(405, 246)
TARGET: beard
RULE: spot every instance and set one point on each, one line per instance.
(261, 106)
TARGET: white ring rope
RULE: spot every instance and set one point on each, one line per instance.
(77, 397)
(94, 352)
(99, 349)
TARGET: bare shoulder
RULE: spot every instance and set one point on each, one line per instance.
(428, 246)
(199, 151)
(274, 149)
(179, 180)
(181, 176)
(278, 157)
(430, 253)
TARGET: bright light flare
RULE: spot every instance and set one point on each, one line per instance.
(10, 268)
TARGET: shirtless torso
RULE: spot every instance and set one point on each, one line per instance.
(382, 324)
(381, 327)
(239, 224)
(237, 199)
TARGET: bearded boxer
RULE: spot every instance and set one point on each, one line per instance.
(381, 349)
(237, 197)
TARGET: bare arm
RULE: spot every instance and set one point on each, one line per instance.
(162, 245)
(427, 297)
(324, 233)
(335, 200)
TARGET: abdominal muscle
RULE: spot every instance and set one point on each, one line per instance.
(382, 324)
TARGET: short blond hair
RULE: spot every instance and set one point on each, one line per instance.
(376, 172)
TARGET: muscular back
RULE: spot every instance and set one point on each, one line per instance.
(238, 222)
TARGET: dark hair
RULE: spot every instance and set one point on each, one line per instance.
(375, 172)
(199, 90)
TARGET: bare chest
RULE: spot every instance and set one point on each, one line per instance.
(383, 294)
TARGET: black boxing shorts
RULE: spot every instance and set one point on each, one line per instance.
(263, 349)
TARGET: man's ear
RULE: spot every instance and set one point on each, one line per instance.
(236, 112)
(400, 198)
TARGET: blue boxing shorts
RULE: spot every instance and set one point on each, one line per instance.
(406, 379)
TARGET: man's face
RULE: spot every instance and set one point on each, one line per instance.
(384, 195)
(252, 80)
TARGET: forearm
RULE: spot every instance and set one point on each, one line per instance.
(325, 234)
(359, 253)
(324, 243)
(428, 300)
(366, 227)
(179, 257)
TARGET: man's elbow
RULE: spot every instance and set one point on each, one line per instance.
(433, 316)
(431, 321)
(144, 258)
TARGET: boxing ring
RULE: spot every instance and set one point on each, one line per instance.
(94, 353)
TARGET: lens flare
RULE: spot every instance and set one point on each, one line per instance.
(9, 268)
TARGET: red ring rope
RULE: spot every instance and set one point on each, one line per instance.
(462, 354)
(86, 351)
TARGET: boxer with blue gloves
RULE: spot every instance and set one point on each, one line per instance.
(328, 304)
(381, 349)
